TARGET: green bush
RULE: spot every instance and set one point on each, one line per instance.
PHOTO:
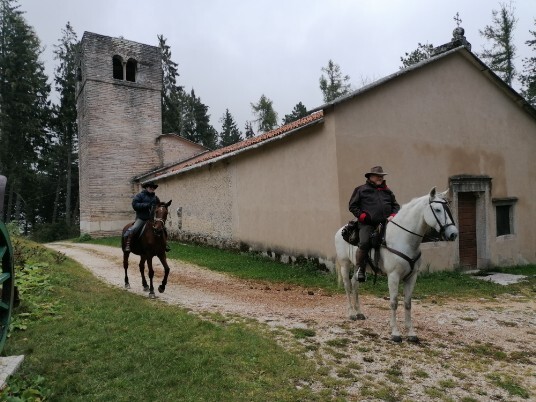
(48, 232)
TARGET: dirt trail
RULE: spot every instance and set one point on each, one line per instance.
(468, 348)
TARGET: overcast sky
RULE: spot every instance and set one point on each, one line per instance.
(233, 51)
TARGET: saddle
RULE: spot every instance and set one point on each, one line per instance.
(350, 233)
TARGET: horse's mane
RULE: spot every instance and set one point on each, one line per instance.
(415, 201)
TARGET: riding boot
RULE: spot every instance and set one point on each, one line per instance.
(361, 265)
(127, 242)
(168, 248)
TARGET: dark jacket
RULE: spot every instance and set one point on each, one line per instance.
(377, 203)
(142, 204)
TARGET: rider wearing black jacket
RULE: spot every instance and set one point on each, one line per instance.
(371, 203)
(143, 203)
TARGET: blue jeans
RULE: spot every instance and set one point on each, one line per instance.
(135, 228)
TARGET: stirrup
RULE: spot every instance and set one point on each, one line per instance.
(361, 274)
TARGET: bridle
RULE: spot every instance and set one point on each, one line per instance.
(442, 228)
(156, 230)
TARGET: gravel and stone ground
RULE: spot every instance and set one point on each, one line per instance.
(470, 350)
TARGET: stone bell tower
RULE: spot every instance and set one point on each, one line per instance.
(119, 120)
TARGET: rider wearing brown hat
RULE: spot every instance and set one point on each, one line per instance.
(371, 203)
(143, 202)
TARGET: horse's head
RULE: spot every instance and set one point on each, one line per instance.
(439, 216)
(160, 216)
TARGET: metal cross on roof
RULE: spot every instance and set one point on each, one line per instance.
(457, 19)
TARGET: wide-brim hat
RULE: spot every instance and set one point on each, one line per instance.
(151, 184)
(376, 170)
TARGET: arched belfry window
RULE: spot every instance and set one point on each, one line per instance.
(118, 67)
(131, 70)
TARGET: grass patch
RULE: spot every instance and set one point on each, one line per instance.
(488, 350)
(86, 341)
(301, 333)
(509, 385)
(338, 343)
(419, 374)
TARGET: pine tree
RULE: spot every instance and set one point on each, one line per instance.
(65, 125)
(297, 113)
(501, 34)
(423, 52)
(173, 96)
(230, 134)
(196, 122)
(335, 84)
(249, 133)
(24, 110)
(265, 113)
(528, 77)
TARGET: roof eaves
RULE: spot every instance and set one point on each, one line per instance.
(252, 143)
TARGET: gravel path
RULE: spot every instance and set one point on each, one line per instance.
(478, 349)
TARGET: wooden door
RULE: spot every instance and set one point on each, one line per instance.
(467, 229)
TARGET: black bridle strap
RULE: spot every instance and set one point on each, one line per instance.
(446, 211)
(163, 221)
(411, 261)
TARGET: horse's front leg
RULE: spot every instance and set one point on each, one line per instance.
(142, 272)
(393, 279)
(409, 284)
(163, 260)
(151, 276)
(125, 266)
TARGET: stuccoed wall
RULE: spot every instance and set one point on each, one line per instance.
(202, 205)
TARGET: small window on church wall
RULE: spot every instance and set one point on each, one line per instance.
(504, 213)
(131, 70)
(118, 67)
(503, 220)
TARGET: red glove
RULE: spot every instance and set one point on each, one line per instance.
(364, 218)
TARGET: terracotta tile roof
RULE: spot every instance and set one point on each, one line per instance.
(242, 145)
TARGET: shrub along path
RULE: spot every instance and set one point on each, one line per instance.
(470, 349)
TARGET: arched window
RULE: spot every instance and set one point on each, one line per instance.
(118, 67)
(131, 70)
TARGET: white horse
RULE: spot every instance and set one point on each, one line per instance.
(399, 258)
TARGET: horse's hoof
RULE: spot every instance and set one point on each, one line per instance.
(127, 286)
(396, 338)
(152, 296)
(413, 339)
(357, 317)
(146, 288)
(161, 288)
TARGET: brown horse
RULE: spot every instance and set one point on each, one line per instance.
(149, 243)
